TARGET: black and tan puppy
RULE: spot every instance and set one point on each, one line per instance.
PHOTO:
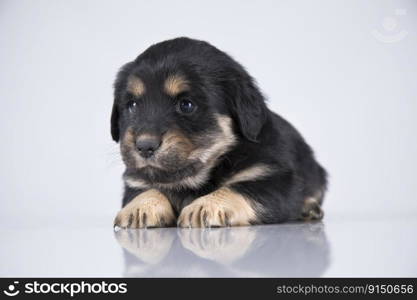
(202, 149)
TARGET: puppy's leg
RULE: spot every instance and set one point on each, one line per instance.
(311, 209)
(148, 209)
(223, 207)
(275, 197)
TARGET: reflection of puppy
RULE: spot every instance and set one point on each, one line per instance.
(149, 246)
(301, 250)
(222, 246)
(262, 251)
(200, 144)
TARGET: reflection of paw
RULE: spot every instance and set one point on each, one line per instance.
(220, 208)
(149, 209)
(311, 210)
(202, 213)
(223, 245)
(150, 246)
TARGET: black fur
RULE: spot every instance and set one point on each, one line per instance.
(219, 85)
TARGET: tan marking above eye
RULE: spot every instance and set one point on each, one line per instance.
(176, 84)
(135, 86)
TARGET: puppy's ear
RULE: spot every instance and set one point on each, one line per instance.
(248, 107)
(115, 131)
(119, 86)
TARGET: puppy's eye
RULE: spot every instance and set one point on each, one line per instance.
(186, 106)
(131, 106)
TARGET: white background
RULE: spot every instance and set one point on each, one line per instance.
(322, 64)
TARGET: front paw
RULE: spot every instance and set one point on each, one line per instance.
(220, 208)
(149, 209)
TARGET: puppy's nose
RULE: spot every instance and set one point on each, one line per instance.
(148, 145)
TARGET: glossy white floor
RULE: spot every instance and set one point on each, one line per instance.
(342, 72)
(338, 246)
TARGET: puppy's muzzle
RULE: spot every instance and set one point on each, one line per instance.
(148, 145)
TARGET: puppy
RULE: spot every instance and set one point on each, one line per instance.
(202, 149)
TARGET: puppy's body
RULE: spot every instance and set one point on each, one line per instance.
(227, 161)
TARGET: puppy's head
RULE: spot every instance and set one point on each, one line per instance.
(178, 107)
